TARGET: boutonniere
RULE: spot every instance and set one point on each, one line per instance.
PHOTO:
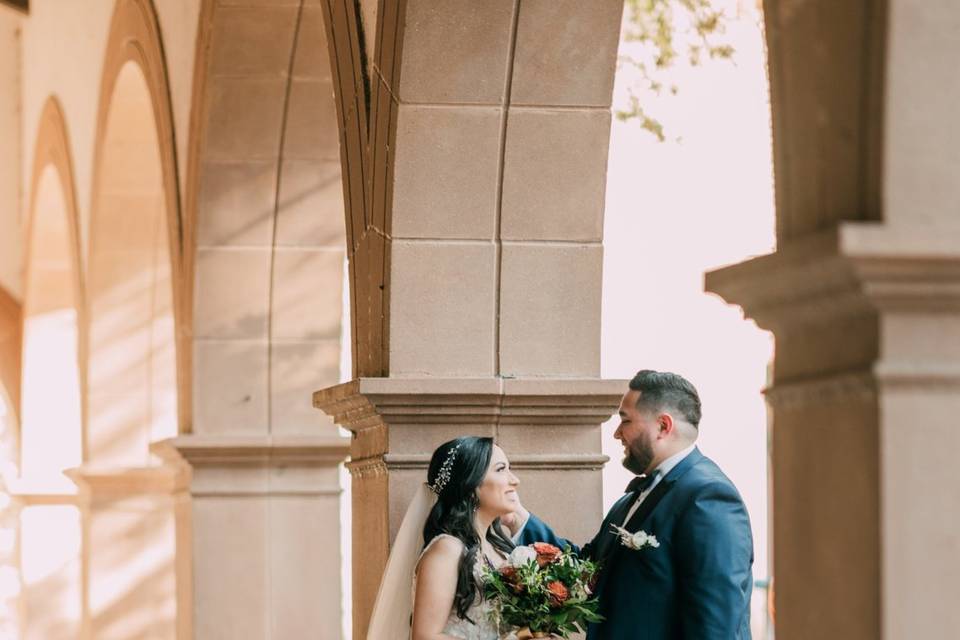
(636, 541)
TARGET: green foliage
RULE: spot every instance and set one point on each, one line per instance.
(665, 30)
(523, 599)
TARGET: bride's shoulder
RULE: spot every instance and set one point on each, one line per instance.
(444, 544)
(444, 548)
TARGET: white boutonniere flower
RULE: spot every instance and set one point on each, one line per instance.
(636, 541)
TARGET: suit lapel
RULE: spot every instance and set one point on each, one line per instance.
(609, 546)
(651, 501)
(648, 504)
(617, 513)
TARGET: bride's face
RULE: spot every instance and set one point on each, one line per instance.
(498, 491)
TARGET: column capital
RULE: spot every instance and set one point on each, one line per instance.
(366, 406)
(356, 404)
(122, 482)
(864, 397)
(250, 466)
(855, 268)
(201, 451)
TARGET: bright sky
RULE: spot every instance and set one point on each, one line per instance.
(675, 210)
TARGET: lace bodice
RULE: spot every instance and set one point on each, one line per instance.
(480, 611)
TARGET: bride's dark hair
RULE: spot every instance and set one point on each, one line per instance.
(456, 505)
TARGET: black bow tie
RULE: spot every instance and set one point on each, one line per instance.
(640, 483)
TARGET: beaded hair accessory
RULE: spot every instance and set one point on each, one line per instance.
(443, 476)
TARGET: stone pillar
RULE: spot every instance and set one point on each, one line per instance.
(266, 543)
(473, 150)
(863, 297)
(550, 429)
(129, 592)
(863, 401)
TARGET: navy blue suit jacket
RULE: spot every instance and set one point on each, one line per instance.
(697, 584)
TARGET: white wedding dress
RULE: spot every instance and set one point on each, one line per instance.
(392, 611)
(483, 626)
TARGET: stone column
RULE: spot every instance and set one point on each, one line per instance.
(473, 146)
(550, 429)
(129, 592)
(863, 401)
(863, 296)
(266, 538)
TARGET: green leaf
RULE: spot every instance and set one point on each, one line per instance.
(664, 32)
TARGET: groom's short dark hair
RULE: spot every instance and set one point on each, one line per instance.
(662, 389)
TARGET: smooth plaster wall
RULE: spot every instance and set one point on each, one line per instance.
(11, 229)
(65, 42)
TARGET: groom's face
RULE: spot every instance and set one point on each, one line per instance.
(637, 431)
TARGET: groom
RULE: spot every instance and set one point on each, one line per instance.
(697, 583)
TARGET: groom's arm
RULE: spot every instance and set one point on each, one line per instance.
(536, 530)
(526, 528)
(714, 548)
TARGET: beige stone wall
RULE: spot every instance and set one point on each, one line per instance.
(920, 331)
(267, 211)
(922, 159)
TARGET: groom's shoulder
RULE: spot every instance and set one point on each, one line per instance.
(706, 475)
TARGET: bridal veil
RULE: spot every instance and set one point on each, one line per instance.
(394, 606)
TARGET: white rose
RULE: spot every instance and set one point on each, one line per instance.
(642, 539)
(521, 556)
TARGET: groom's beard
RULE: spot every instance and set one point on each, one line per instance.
(638, 456)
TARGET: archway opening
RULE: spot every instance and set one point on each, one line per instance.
(51, 439)
(132, 349)
(130, 516)
(51, 434)
(690, 189)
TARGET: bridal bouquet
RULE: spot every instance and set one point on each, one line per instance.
(542, 590)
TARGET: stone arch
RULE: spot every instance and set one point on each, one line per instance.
(51, 433)
(132, 350)
(265, 203)
(52, 310)
(135, 248)
(132, 506)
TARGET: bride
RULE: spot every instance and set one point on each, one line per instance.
(452, 530)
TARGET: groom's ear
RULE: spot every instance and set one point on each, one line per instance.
(666, 424)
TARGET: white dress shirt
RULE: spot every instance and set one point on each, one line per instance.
(658, 474)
